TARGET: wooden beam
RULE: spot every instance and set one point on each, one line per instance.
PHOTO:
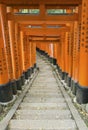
(47, 6)
(45, 41)
(35, 6)
(37, 22)
(47, 2)
(22, 17)
(45, 32)
(55, 6)
(45, 37)
(41, 24)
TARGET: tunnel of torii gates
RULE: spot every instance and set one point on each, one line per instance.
(65, 44)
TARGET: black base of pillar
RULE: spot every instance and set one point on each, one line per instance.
(32, 69)
(46, 54)
(42, 52)
(48, 57)
(60, 72)
(6, 93)
(54, 61)
(69, 81)
(14, 87)
(63, 75)
(66, 75)
(51, 60)
(19, 84)
(58, 68)
(37, 49)
(82, 94)
(23, 79)
(26, 74)
(35, 66)
(29, 72)
(73, 86)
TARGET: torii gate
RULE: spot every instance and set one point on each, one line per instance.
(68, 42)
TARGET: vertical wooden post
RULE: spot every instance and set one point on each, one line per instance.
(70, 58)
(22, 51)
(66, 55)
(14, 51)
(29, 57)
(34, 54)
(26, 53)
(55, 54)
(51, 46)
(5, 59)
(82, 88)
(18, 42)
(4, 23)
(32, 57)
(75, 59)
(12, 44)
(45, 49)
(48, 50)
(13, 54)
(59, 56)
(62, 55)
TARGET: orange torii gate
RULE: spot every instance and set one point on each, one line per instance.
(66, 47)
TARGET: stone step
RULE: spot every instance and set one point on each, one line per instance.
(45, 75)
(43, 91)
(52, 79)
(44, 100)
(45, 85)
(43, 106)
(66, 124)
(43, 114)
(45, 82)
(46, 69)
(45, 65)
(46, 95)
(45, 88)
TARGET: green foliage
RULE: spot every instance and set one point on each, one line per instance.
(56, 11)
(49, 11)
(30, 11)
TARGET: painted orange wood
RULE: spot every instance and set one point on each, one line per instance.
(37, 2)
(4, 75)
(4, 27)
(63, 52)
(83, 63)
(66, 49)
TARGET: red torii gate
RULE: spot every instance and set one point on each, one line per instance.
(66, 45)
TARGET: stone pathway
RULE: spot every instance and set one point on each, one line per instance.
(43, 107)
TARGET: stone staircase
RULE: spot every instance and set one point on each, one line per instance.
(43, 107)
